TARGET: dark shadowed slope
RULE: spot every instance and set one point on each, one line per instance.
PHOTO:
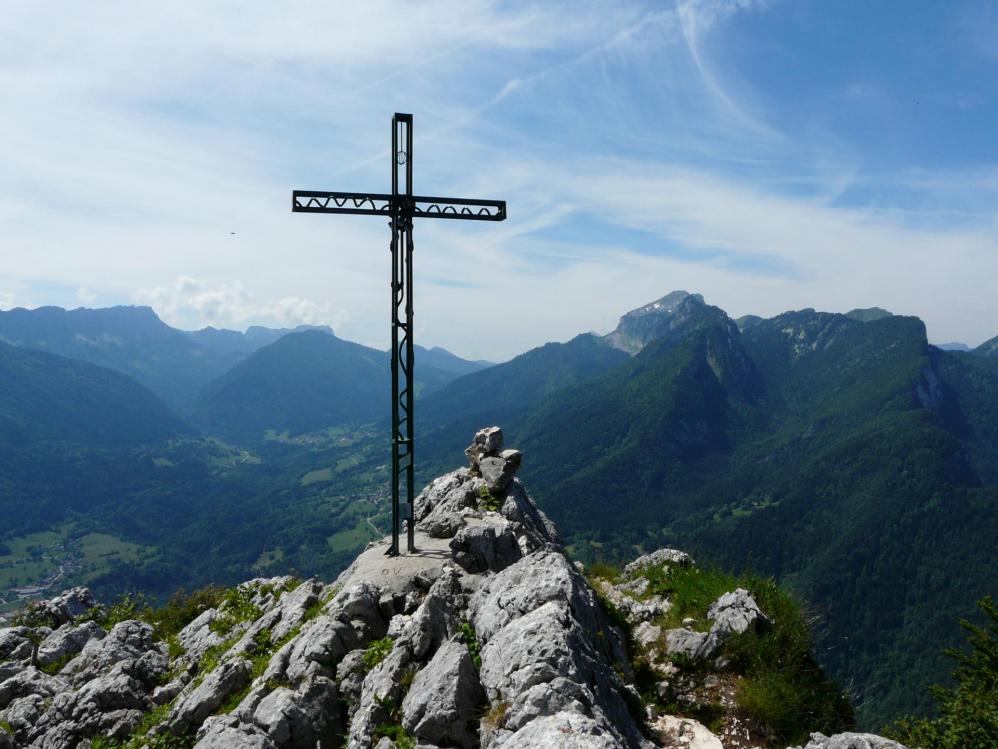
(302, 383)
(131, 340)
(48, 398)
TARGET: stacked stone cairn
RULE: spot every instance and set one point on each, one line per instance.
(489, 637)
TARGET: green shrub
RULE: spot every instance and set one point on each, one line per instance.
(57, 665)
(602, 571)
(376, 652)
(183, 608)
(487, 501)
(33, 615)
(470, 638)
(780, 686)
(968, 713)
(395, 732)
(236, 607)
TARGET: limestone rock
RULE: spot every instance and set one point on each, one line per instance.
(646, 634)
(127, 640)
(444, 525)
(204, 699)
(22, 714)
(685, 642)
(487, 442)
(735, 612)
(14, 644)
(564, 730)
(532, 527)
(228, 732)
(684, 732)
(281, 716)
(485, 548)
(30, 681)
(197, 637)
(69, 604)
(850, 741)
(67, 641)
(293, 607)
(445, 699)
(660, 556)
(498, 470)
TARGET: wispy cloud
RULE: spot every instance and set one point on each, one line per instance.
(150, 152)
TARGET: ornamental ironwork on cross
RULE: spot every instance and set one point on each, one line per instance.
(401, 207)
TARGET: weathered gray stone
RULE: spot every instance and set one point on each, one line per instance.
(485, 548)
(22, 714)
(30, 681)
(443, 525)
(850, 741)
(445, 494)
(14, 644)
(488, 441)
(67, 641)
(549, 698)
(165, 693)
(324, 642)
(445, 699)
(498, 470)
(294, 606)
(69, 604)
(634, 609)
(382, 688)
(319, 699)
(531, 527)
(204, 699)
(435, 621)
(646, 634)
(350, 675)
(198, 637)
(127, 640)
(228, 732)
(531, 582)
(660, 556)
(565, 730)
(685, 732)
(281, 716)
(685, 642)
(734, 613)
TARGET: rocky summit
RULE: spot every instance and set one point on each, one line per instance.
(488, 636)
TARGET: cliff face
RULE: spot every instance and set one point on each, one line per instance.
(489, 636)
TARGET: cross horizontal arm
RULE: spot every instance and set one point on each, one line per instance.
(379, 204)
(474, 210)
(317, 201)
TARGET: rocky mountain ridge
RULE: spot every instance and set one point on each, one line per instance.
(489, 636)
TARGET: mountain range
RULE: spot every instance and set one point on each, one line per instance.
(840, 453)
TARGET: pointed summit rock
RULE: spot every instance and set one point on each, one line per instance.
(670, 316)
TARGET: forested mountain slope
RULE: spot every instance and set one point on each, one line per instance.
(849, 458)
(131, 340)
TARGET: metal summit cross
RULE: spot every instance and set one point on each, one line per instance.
(401, 206)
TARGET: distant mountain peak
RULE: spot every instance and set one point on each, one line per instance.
(657, 319)
(869, 314)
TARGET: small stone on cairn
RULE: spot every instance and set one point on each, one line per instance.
(490, 461)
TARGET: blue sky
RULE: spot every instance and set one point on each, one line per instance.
(770, 155)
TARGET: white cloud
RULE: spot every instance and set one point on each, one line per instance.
(7, 300)
(292, 311)
(189, 303)
(85, 296)
(154, 149)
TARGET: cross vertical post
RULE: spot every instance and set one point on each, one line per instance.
(401, 207)
(402, 327)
